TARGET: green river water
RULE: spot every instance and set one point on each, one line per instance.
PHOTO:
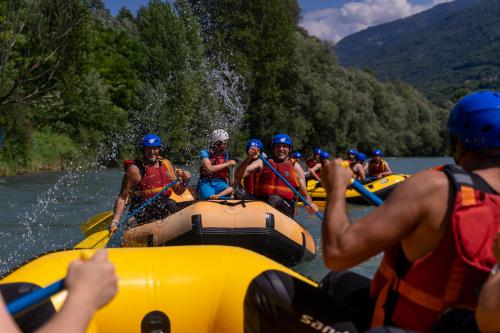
(43, 212)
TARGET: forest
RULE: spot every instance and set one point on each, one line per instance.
(79, 86)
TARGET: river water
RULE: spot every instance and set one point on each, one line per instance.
(43, 212)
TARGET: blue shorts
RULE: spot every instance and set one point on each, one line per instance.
(208, 187)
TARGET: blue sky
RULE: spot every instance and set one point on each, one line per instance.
(333, 19)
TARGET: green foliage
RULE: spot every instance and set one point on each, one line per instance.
(452, 46)
(176, 69)
(52, 151)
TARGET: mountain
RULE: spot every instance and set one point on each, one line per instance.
(443, 51)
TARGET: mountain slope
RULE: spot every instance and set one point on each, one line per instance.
(450, 47)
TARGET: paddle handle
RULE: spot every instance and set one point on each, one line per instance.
(25, 302)
(318, 214)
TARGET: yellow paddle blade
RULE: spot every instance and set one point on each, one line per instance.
(97, 223)
(97, 240)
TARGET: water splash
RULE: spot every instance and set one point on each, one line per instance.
(52, 221)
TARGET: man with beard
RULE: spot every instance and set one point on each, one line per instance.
(143, 179)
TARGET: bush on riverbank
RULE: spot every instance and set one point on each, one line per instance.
(98, 83)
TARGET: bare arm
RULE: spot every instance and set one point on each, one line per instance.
(312, 208)
(218, 167)
(489, 305)
(312, 171)
(346, 245)
(131, 177)
(359, 168)
(388, 172)
(250, 165)
(6, 322)
(184, 176)
(91, 285)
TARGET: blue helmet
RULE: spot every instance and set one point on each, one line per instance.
(282, 139)
(151, 140)
(361, 157)
(352, 152)
(324, 155)
(378, 152)
(254, 143)
(297, 155)
(317, 151)
(475, 120)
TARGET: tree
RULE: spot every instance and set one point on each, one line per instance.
(39, 38)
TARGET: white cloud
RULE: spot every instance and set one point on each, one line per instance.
(336, 23)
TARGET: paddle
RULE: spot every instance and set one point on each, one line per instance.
(29, 300)
(318, 214)
(373, 198)
(101, 238)
(25, 302)
(358, 187)
(96, 221)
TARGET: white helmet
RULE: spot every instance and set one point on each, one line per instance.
(219, 135)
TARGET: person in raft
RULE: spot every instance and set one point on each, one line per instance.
(90, 284)
(144, 178)
(249, 180)
(314, 165)
(269, 187)
(378, 167)
(214, 169)
(297, 158)
(436, 231)
(355, 164)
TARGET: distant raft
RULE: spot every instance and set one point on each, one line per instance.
(381, 187)
(253, 225)
(169, 289)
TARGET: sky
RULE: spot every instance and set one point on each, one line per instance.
(333, 19)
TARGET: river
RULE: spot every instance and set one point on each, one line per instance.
(43, 212)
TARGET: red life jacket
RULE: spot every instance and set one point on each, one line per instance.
(215, 158)
(375, 169)
(311, 163)
(269, 183)
(450, 275)
(250, 182)
(153, 180)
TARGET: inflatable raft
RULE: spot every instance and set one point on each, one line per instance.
(169, 289)
(381, 187)
(253, 225)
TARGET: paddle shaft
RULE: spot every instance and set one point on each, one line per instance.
(318, 214)
(25, 302)
(150, 200)
(373, 198)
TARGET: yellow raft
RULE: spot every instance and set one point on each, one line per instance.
(193, 288)
(381, 187)
(253, 225)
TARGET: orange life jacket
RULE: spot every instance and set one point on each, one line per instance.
(375, 169)
(449, 276)
(268, 183)
(215, 158)
(153, 180)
